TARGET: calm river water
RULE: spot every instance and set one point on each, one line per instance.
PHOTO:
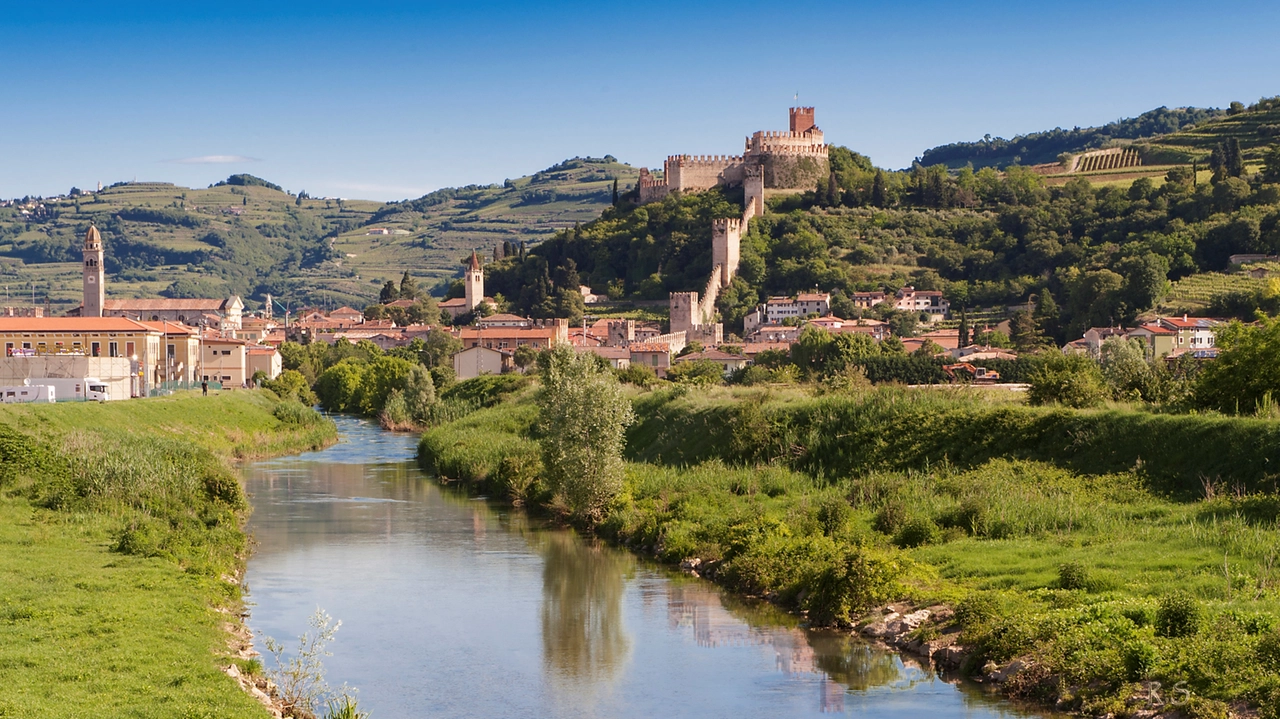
(451, 607)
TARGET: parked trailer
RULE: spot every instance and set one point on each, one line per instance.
(27, 393)
(75, 389)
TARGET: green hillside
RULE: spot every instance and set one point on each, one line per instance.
(1083, 255)
(434, 232)
(249, 237)
(1257, 128)
(1044, 147)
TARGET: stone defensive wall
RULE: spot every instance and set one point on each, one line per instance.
(702, 172)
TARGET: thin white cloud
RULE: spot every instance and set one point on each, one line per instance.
(215, 160)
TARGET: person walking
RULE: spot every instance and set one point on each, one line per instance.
(204, 388)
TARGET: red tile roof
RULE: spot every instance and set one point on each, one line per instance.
(650, 347)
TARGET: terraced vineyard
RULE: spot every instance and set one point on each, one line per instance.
(1256, 130)
(1195, 292)
(252, 239)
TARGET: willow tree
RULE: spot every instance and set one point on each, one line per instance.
(583, 417)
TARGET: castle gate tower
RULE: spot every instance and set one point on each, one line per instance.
(473, 283)
(94, 277)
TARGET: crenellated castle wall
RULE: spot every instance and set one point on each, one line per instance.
(690, 173)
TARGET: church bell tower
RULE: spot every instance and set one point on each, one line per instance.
(94, 291)
(473, 283)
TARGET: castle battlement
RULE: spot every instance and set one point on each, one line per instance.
(695, 160)
(725, 224)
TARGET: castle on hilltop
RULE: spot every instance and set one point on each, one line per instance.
(773, 162)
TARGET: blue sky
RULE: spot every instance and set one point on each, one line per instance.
(387, 100)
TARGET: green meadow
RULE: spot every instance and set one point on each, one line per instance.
(121, 544)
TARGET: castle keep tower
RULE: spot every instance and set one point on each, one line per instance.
(802, 119)
(473, 282)
(94, 277)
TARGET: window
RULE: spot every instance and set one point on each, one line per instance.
(129, 349)
(226, 378)
(172, 350)
(655, 360)
(205, 378)
(26, 345)
(95, 349)
(8, 349)
(113, 349)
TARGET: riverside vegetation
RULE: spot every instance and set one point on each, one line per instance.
(1105, 548)
(121, 544)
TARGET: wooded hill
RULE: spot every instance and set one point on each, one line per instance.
(248, 236)
(1161, 136)
(1086, 255)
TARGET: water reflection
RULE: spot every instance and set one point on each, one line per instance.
(454, 607)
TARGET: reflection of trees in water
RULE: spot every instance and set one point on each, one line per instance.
(583, 637)
(719, 620)
(856, 664)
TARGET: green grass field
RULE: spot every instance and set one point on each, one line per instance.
(120, 537)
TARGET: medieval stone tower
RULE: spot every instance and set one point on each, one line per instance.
(94, 277)
(473, 282)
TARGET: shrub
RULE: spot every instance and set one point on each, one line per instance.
(638, 375)
(291, 384)
(697, 372)
(833, 515)
(859, 579)
(1178, 615)
(1139, 660)
(1074, 381)
(1073, 575)
(517, 476)
(295, 412)
(917, 532)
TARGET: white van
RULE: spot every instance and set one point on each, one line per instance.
(27, 393)
(75, 389)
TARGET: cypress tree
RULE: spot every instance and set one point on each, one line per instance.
(963, 340)
(879, 193)
(615, 192)
(1235, 159)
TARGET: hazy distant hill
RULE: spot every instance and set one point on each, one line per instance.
(1043, 147)
(246, 235)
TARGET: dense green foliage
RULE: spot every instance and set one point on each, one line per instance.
(119, 526)
(1244, 378)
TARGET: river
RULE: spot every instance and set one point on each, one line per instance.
(453, 607)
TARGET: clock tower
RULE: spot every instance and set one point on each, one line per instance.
(94, 292)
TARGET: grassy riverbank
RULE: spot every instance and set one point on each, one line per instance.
(120, 540)
(1104, 547)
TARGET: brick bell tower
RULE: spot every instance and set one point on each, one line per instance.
(94, 276)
